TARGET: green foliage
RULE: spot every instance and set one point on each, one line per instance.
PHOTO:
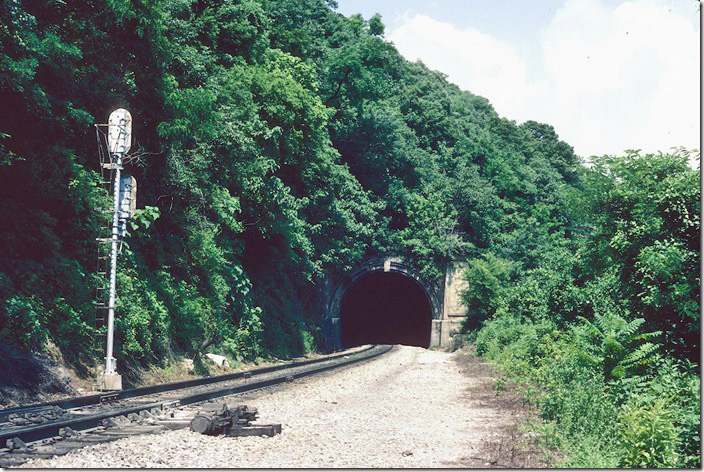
(144, 217)
(431, 235)
(245, 343)
(500, 383)
(487, 278)
(646, 211)
(284, 143)
(309, 342)
(639, 418)
(649, 438)
(590, 296)
(142, 326)
(21, 323)
(616, 345)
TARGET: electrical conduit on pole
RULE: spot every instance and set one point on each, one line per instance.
(110, 361)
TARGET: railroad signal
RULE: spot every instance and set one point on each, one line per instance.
(120, 131)
(128, 196)
(128, 201)
(124, 204)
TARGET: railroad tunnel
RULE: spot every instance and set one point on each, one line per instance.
(385, 308)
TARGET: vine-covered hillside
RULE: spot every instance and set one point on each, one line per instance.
(280, 142)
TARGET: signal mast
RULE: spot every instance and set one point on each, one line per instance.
(119, 138)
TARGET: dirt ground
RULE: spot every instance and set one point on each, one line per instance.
(27, 378)
(514, 446)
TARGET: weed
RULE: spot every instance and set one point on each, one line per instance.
(605, 397)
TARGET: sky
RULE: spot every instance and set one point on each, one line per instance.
(608, 75)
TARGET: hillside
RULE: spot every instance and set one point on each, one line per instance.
(279, 142)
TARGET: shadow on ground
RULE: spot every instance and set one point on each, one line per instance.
(27, 377)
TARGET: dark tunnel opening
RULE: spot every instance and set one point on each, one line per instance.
(385, 308)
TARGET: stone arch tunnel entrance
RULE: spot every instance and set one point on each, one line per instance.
(385, 300)
(385, 308)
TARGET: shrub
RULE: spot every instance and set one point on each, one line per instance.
(245, 344)
(605, 397)
(487, 278)
(21, 322)
(677, 384)
(648, 436)
(309, 344)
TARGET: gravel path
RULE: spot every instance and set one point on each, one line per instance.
(411, 408)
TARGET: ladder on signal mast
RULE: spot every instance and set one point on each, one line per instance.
(104, 240)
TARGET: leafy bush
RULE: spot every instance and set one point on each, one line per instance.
(487, 278)
(21, 323)
(309, 344)
(245, 344)
(645, 209)
(678, 385)
(141, 321)
(614, 344)
(604, 395)
(648, 436)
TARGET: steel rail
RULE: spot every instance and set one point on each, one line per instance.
(96, 399)
(46, 431)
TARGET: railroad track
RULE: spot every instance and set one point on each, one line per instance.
(55, 428)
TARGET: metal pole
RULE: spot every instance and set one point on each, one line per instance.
(111, 362)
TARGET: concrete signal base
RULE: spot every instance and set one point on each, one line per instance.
(108, 382)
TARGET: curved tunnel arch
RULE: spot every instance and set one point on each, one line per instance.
(383, 301)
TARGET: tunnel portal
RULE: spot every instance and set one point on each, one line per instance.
(385, 308)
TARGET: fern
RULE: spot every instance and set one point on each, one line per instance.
(632, 327)
(640, 356)
(646, 336)
(593, 330)
(621, 349)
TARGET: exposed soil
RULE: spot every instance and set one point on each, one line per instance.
(27, 377)
(514, 445)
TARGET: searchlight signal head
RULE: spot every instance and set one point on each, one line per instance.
(120, 131)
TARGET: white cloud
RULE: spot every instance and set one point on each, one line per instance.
(613, 78)
(473, 60)
(633, 68)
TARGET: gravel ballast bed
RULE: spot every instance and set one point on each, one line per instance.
(410, 408)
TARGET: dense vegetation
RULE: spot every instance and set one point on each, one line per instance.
(279, 142)
(601, 328)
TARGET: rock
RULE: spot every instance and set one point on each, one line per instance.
(220, 361)
(188, 365)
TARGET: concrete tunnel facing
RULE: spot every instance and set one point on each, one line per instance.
(385, 308)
